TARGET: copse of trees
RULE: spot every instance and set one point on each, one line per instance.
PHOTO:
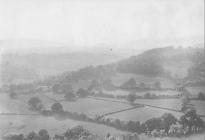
(35, 104)
(62, 88)
(57, 108)
(131, 98)
(192, 121)
(66, 89)
(168, 120)
(82, 93)
(43, 134)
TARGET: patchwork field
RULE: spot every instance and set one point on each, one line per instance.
(27, 124)
(91, 107)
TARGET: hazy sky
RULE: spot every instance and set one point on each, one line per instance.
(91, 22)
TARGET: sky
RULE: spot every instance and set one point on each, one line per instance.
(93, 22)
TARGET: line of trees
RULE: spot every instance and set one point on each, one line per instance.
(75, 133)
(132, 84)
(69, 94)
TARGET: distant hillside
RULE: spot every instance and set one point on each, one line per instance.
(169, 61)
(148, 63)
(166, 62)
(27, 60)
